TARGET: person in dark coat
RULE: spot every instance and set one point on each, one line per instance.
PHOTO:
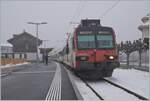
(46, 58)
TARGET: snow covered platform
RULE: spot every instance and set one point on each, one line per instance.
(135, 65)
(135, 80)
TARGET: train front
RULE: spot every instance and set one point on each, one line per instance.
(96, 53)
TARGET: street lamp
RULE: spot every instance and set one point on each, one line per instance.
(37, 24)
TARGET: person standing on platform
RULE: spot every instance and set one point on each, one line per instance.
(46, 58)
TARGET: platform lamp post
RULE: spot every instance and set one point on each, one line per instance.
(37, 24)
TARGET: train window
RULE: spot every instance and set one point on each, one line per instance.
(3, 55)
(86, 41)
(104, 41)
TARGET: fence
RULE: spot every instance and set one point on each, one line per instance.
(134, 60)
(13, 58)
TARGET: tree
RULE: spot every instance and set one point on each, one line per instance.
(140, 46)
(127, 48)
(146, 43)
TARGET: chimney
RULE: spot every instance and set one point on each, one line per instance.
(15, 35)
(24, 30)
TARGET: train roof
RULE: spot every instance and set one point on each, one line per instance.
(93, 28)
(92, 25)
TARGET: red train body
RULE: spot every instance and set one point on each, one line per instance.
(91, 49)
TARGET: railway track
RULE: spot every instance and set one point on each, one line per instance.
(100, 96)
(96, 93)
(127, 90)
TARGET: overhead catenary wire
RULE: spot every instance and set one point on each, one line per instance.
(73, 17)
(77, 13)
(109, 9)
(78, 10)
(81, 8)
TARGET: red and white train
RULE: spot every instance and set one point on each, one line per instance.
(91, 49)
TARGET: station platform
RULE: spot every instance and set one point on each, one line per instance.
(38, 82)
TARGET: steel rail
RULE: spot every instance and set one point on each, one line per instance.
(125, 89)
(98, 95)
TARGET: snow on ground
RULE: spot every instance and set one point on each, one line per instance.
(13, 65)
(86, 92)
(136, 64)
(135, 80)
(111, 93)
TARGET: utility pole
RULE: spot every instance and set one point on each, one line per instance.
(37, 38)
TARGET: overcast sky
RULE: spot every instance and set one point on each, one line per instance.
(124, 17)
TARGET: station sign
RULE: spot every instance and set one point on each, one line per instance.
(91, 32)
(86, 32)
(104, 32)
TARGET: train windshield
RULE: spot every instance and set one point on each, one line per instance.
(104, 41)
(86, 42)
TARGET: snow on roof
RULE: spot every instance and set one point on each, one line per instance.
(6, 44)
(55, 51)
(145, 19)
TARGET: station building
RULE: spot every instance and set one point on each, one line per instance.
(25, 43)
(6, 48)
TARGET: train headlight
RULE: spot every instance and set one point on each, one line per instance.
(111, 57)
(82, 58)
